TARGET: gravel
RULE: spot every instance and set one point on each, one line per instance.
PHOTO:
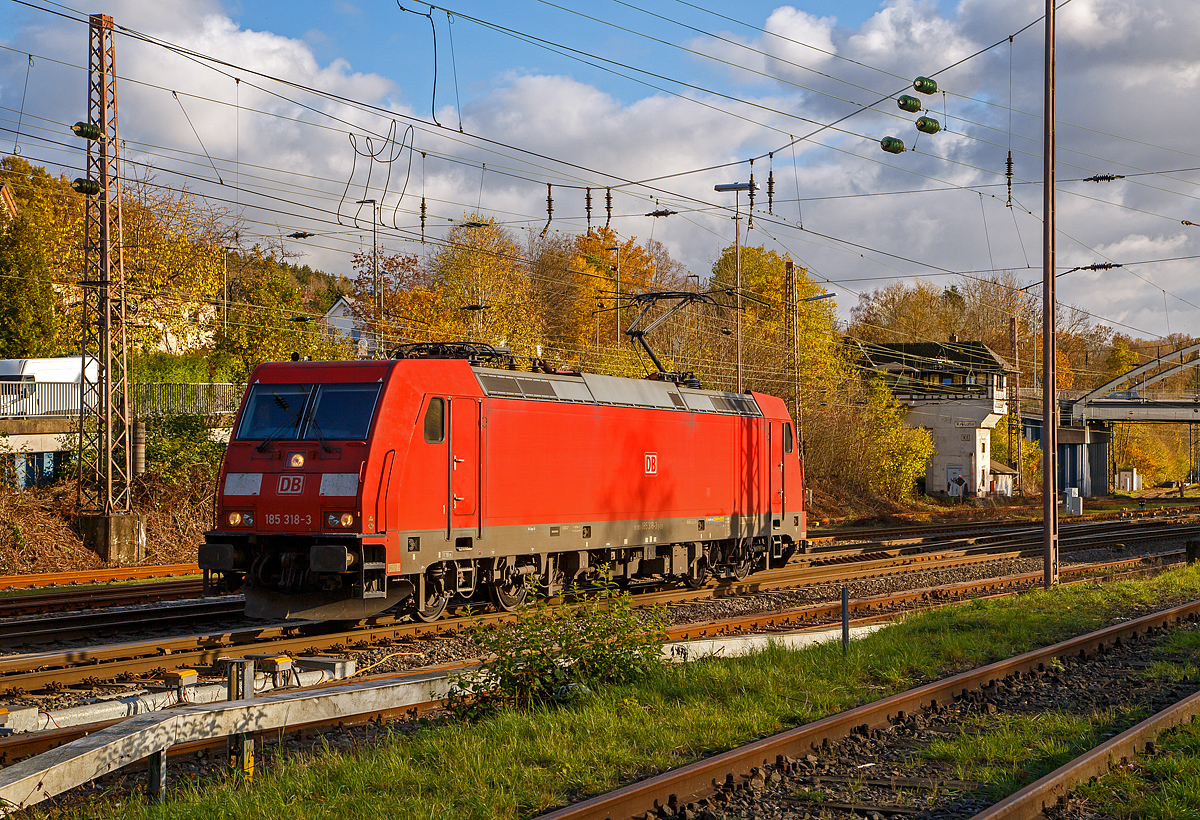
(875, 769)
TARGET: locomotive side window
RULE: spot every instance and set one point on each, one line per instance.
(342, 411)
(787, 437)
(274, 411)
(435, 421)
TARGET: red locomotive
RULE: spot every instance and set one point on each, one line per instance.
(351, 487)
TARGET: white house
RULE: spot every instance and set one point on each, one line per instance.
(956, 391)
(342, 321)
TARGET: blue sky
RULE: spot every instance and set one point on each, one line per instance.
(1129, 78)
(378, 37)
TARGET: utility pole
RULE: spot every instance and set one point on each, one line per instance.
(225, 292)
(791, 321)
(1015, 421)
(737, 255)
(617, 333)
(1049, 376)
(737, 188)
(109, 525)
(377, 297)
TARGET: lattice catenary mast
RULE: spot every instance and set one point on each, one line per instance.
(105, 419)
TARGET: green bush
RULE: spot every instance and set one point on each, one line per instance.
(158, 366)
(180, 445)
(554, 653)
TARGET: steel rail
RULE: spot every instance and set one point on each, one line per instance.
(921, 599)
(842, 532)
(59, 600)
(129, 661)
(95, 576)
(699, 779)
(71, 627)
(34, 671)
(1029, 802)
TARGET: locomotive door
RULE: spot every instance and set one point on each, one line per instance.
(778, 487)
(464, 463)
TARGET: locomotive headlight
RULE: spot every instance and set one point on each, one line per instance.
(339, 519)
(240, 519)
(295, 460)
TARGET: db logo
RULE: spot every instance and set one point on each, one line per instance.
(291, 484)
(651, 463)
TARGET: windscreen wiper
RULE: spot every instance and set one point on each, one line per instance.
(312, 421)
(294, 421)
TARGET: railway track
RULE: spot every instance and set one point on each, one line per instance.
(865, 611)
(131, 660)
(95, 576)
(718, 778)
(84, 625)
(57, 599)
(942, 528)
(47, 594)
(134, 660)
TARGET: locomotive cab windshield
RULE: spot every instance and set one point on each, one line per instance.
(308, 412)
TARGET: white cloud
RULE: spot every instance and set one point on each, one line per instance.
(1128, 77)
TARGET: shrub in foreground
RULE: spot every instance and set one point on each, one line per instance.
(554, 653)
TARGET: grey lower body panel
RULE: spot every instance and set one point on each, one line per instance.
(515, 541)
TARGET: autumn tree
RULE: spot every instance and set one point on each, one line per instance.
(28, 325)
(480, 289)
(267, 321)
(406, 306)
(766, 353)
(571, 297)
(173, 255)
(1121, 359)
(897, 453)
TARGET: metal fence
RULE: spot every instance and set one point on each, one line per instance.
(61, 399)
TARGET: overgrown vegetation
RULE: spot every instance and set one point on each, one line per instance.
(1164, 786)
(175, 497)
(517, 763)
(553, 654)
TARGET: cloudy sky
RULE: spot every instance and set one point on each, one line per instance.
(609, 93)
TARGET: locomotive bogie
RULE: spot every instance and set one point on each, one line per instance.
(351, 487)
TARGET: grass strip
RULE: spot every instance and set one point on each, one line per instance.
(516, 764)
(1164, 786)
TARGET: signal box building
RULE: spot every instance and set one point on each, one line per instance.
(958, 392)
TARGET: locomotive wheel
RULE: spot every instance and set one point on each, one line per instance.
(434, 607)
(742, 569)
(436, 596)
(509, 594)
(697, 574)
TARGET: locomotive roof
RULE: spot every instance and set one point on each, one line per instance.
(591, 388)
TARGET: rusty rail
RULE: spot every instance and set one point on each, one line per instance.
(57, 600)
(1029, 802)
(698, 779)
(95, 576)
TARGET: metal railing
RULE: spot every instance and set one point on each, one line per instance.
(61, 399)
